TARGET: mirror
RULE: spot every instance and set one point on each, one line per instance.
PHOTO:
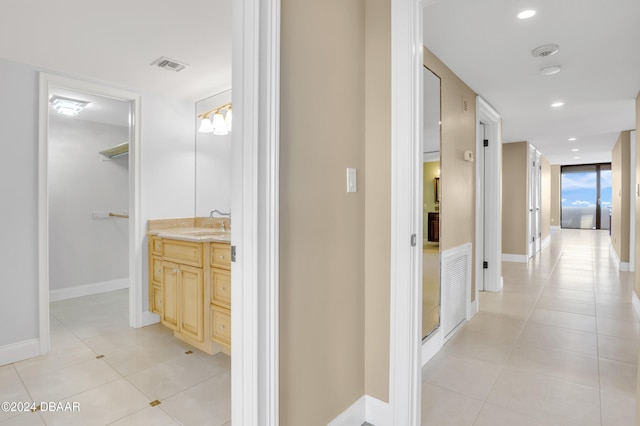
(431, 211)
(212, 162)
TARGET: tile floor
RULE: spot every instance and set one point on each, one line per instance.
(557, 346)
(138, 366)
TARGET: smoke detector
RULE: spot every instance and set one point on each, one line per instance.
(546, 50)
(169, 64)
(550, 70)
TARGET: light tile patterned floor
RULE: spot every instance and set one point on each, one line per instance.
(139, 366)
(557, 346)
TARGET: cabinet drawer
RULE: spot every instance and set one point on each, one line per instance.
(221, 325)
(156, 270)
(221, 287)
(221, 255)
(156, 245)
(183, 252)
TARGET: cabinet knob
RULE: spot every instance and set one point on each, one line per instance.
(176, 270)
(221, 257)
(223, 289)
(221, 327)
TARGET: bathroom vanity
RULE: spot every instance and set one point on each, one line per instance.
(190, 280)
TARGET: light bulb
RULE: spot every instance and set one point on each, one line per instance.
(228, 119)
(219, 127)
(206, 126)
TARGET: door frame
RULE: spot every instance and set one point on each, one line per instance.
(46, 83)
(489, 213)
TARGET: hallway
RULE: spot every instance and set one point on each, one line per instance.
(557, 346)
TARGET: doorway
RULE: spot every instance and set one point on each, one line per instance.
(586, 196)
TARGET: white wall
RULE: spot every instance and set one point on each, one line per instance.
(81, 181)
(167, 187)
(19, 211)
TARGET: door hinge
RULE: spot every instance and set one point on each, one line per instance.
(414, 240)
(485, 265)
(233, 253)
(486, 142)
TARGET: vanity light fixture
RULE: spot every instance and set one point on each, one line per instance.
(67, 106)
(221, 123)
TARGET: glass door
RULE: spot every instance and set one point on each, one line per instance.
(586, 196)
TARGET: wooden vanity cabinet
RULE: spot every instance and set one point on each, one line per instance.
(190, 289)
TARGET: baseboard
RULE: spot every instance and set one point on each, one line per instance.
(352, 416)
(15, 352)
(378, 413)
(519, 258)
(635, 301)
(621, 266)
(545, 242)
(365, 409)
(149, 318)
(624, 266)
(432, 346)
(555, 228)
(472, 307)
(87, 289)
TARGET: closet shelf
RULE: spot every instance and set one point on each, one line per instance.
(116, 151)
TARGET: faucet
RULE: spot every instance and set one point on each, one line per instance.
(222, 226)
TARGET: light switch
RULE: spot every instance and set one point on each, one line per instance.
(351, 180)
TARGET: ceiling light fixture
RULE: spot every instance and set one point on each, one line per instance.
(67, 106)
(575, 150)
(576, 158)
(222, 120)
(557, 104)
(546, 50)
(550, 70)
(572, 139)
(526, 14)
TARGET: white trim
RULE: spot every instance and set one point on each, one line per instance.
(87, 289)
(255, 199)
(149, 318)
(545, 242)
(406, 163)
(354, 415)
(431, 346)
(377, 412)
(635, 301)
(489, 213)
(555, 228)
(519, 258)
(472, 307)
(621, 266)
(365, 409)
(48, 81)
(19, 351)
(632, 204)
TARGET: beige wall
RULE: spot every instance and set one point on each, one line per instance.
(377, 250)
(457, 205)
(555, 195)
(620, 195)
(545, 198)
(514, 197)
(431, 170)
(322, 304)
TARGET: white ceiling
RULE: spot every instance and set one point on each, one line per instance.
(485, 44)
(117, 40)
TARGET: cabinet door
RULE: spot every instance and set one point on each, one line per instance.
(170, 280)
(156, 299)
(221, 325)
(192, 302)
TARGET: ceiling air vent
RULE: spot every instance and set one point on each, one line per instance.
(546, 50)
(169, 64)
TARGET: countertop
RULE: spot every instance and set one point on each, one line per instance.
(195, 234)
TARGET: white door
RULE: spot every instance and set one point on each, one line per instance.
(538, 197)
(531, 190)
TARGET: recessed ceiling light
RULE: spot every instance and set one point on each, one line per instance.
(575, 150)
(572, 139)
(526, 14)
(557, 104)
(553, 69)
(576, 158)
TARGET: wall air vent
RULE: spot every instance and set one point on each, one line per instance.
(169, 64)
